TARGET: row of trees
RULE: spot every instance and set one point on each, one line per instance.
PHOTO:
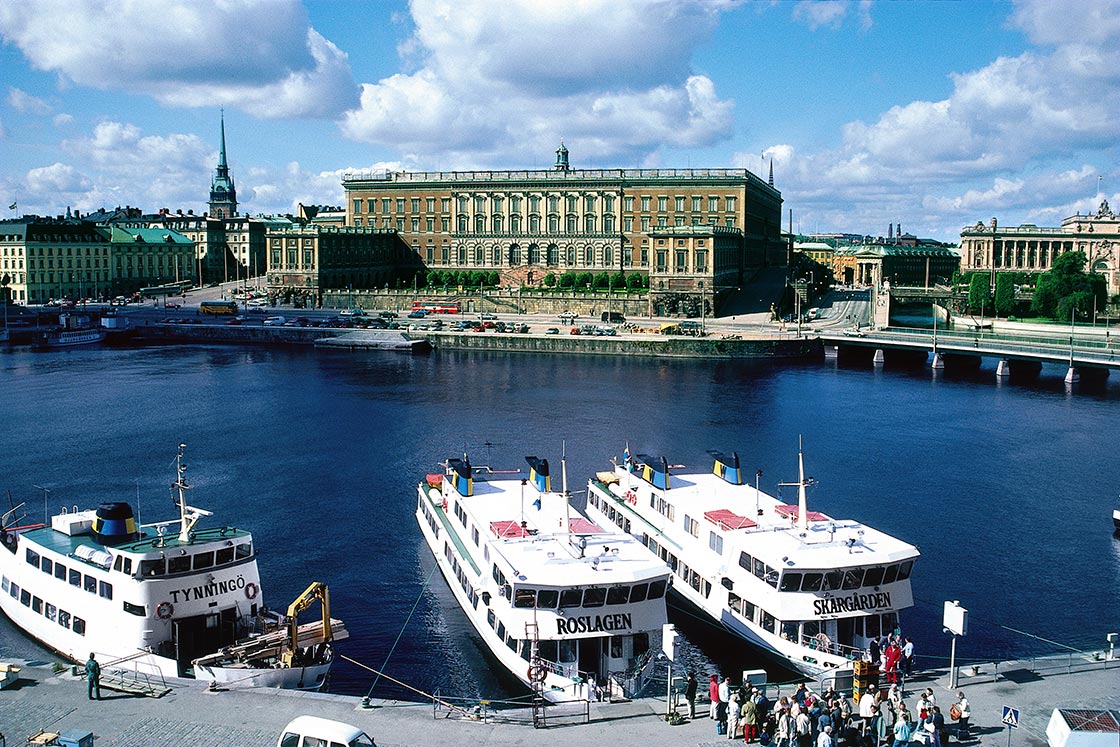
(1067, 289)
(566, 281)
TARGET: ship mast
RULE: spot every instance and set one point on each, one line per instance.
(564, 486)
(188, 515)
(802, 483)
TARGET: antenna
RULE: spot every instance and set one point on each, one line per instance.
(47, 492)
(802, 483)
(564, 486)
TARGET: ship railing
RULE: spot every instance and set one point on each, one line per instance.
(824, 644)
(517, 711)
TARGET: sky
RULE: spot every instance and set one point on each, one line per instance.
(932, 115)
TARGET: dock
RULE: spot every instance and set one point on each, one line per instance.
(44, 699)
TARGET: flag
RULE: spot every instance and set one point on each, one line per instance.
(626, 452)
(537, 503)
(12, 206)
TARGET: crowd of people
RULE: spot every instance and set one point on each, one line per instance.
(875, 718)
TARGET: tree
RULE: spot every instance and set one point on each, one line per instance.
(618, 280)
(1005, 294)
(493, 278)
(567, 280)
(1068, 287)
(979, 293)
(550, 280)
(601, 281)
(634, 281)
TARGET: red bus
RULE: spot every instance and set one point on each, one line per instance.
(435, 307)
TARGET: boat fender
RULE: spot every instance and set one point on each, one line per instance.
(251, 590)
(164, 610)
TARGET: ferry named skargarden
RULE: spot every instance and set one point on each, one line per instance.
(570, 609)
(809, 590)
(179, 603)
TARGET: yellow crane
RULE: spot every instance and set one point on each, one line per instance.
(317, 591)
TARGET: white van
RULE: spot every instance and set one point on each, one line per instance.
(312, 731)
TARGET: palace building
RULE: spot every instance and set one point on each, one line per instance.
(1028, 248)
(688, 230)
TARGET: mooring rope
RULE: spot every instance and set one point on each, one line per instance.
(388, 656)
(405, 685)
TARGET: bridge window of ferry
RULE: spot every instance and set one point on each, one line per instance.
(853, 578)
(618, 595)
(156, 567)
(203, 560)
(638, 593)
(594, 597)
(904, 569)
(60, 571)
(790, 581)
(570, 598)
(873, 576)
(891, 574)
(547, 599)
(525, 598)
(833, 580)
(244, 550)
(179, 564)
(812, 582)
(657, 589)
(223, 556)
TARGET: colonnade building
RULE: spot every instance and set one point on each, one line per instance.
(1028, 248)
(684, 228)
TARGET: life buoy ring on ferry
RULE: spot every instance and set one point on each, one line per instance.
(631, 497)
(445, 505)
(537, 673)
(164, 610)
(251, 590)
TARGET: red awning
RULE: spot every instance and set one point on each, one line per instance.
(507, 529)
(727, 519)
(583, 526)
(787, 510)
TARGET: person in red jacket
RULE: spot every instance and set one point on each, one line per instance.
(891, 658)
(713, 694)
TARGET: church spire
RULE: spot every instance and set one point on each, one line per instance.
(771, 181)
(223, 167)
(223, 193)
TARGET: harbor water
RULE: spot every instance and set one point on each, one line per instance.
(1007, 489)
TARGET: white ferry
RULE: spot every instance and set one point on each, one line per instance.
(809, 590)
(572, 610)
(72, 330)
(148, 600)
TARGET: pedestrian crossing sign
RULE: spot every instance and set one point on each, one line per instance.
(1011, 716)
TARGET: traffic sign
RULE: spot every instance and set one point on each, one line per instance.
(1010, 716)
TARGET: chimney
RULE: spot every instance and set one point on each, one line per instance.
(890, 231)
(898, 231)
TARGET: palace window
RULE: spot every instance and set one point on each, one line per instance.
(713, 204)
(695, 203)
(678, 203)
(430, 204)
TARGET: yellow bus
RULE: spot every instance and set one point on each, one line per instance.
(220, 308)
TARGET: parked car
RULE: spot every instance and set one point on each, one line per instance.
(417, 314)
(387, 314)
(486, 315)
(552, 331)
(313, 731)
(854, 332)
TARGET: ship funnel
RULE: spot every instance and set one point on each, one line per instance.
(114, 524)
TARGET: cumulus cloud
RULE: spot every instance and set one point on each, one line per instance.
(260, 55)
(500, 83)
(58, 177)
(1010, 137)
(832, 13)
(25, 103)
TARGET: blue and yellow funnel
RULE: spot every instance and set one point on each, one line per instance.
(727, 468)
(461, 479)
(114, 524)
(654, 471)
(538, 474)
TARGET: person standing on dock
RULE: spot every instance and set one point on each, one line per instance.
(908, 656)
(93, 678)
(962, 720)
(713, 695)
(938, 723)
(690, 695)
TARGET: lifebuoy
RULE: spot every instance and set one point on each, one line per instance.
(537, 673)
(164, 610)
(445, 505)
(631, 497)
(251, 590)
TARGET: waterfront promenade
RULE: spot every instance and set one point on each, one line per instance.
(190, 715)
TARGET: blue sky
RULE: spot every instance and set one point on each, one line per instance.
(930, 114)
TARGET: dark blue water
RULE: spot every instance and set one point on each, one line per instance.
(1007, 489)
